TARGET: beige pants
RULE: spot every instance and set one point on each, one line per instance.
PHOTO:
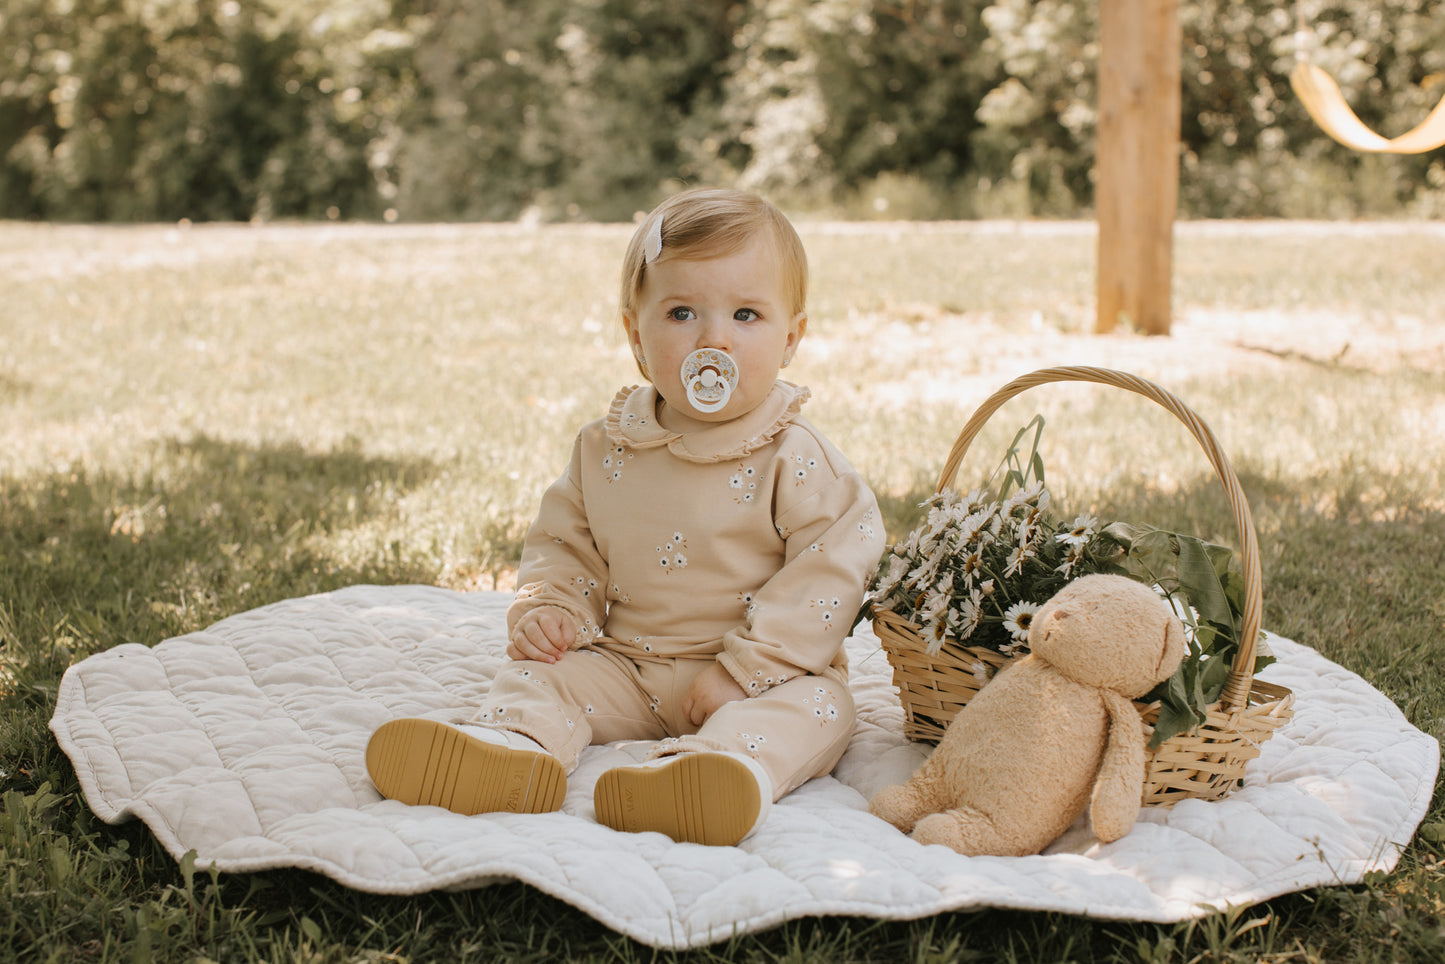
(797, 730)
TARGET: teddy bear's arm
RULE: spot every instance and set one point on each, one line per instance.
(1120, 784)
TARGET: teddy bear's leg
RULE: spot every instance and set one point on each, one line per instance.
(972, 833)
(902, 804)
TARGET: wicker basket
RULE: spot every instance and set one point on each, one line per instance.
(1207, 763)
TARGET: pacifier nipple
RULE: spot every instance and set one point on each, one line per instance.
(709, 377)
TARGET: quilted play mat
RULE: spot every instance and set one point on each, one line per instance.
(244, 743)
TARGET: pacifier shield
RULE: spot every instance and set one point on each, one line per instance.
(709, 377)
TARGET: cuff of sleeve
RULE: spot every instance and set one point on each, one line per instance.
(753, 683)
(539, 596)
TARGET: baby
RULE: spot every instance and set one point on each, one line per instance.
(691, 577)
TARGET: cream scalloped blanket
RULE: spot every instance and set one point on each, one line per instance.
(244, 743)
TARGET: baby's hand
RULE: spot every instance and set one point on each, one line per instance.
(710, 689)
(543, 634)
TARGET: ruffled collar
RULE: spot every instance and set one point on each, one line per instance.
(632, 421)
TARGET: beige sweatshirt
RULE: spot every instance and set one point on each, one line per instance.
(749, 541)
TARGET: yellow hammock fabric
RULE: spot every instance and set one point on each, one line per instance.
(1325, 102)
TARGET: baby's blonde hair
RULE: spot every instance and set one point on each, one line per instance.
(710, 222)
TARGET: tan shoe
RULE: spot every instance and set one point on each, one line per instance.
(466, 769)
(708, 798)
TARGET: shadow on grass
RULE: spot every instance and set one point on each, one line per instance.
(207, 528)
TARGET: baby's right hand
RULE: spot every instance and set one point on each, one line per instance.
(543, 634)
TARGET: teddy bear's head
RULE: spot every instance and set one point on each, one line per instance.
(1111, 632)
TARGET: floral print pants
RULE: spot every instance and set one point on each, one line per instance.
(797, 730)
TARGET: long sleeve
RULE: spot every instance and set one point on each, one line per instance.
(799, 618)
(561, 564)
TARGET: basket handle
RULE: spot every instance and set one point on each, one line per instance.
(1235, 695)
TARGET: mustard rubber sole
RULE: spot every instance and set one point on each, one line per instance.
(705, 798)
(422, 762)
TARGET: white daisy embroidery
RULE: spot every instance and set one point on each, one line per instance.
(828, 607)
(753, 744)
(668, 555)
(744, 484)
(613, 461)
(865, 526)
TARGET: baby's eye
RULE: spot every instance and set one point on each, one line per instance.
(682, 313)
(745, 314)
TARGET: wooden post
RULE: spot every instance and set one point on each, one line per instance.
(1136, 191)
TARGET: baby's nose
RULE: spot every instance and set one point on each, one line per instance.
(716, 334)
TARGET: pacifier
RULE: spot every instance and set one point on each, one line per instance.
(709, 377)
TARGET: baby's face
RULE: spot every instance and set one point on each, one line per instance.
(736, 303)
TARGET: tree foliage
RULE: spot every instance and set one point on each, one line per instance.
(592, 109)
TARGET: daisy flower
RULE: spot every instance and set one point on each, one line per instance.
(1018, 618)
(1081, 530)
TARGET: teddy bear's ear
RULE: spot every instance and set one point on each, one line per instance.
(1172, 647)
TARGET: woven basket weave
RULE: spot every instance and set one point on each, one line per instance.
(1206, 763)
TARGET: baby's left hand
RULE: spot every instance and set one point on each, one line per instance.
(710, 689)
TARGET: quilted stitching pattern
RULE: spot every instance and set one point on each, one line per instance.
(245, 742)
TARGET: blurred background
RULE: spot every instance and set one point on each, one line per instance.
(591, 110)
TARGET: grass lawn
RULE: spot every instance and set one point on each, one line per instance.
(196, 422)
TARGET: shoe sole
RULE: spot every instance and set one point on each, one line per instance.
(422, 762)
(704, 798)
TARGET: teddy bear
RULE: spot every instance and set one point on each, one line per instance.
(1054, 732)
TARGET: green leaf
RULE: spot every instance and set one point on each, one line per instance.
(1015, 475)
(1174, 718)
(1200, 581)
(1212, 678)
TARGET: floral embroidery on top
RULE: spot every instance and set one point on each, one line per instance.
(801, 468)
(632, 418)
(760, 683)
(613, 461)
(865, 526)
(744, 483)
(668, 555)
